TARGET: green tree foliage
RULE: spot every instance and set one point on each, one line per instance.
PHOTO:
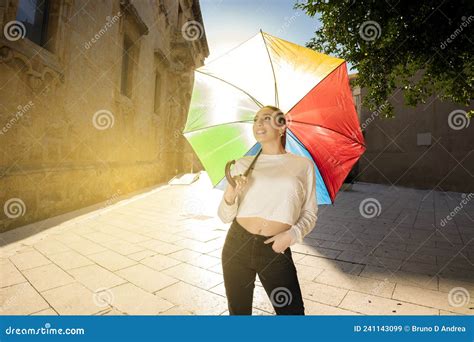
(424, 48)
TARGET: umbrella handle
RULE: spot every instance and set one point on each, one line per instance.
(228, 176)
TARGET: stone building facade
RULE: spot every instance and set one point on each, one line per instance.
(93, 98)
(430, 146)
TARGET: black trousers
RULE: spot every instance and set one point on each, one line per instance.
(243, 256)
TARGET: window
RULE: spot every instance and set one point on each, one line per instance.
(357, 100)
(133, 29)
(180, 16)
(356, 96)
(34, 15)
(127, 67)
(157, 93)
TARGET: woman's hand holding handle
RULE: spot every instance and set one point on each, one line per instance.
(231, 192)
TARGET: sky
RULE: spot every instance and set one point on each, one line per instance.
(228, 23)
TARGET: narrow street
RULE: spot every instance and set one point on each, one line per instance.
(158, 253)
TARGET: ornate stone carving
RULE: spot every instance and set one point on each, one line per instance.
(40, 77)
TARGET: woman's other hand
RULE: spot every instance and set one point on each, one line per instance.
(282, 241)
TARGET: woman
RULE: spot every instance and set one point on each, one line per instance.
(271, 209)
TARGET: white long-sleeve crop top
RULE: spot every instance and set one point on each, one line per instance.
(281, 187)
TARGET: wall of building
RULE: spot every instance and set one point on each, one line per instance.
(430, 146)
(70, 135)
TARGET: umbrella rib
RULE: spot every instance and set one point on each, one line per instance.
(273, 70)
(221, 146)
(211, 126)
(330, 129)
(316, 86)
(232, 85)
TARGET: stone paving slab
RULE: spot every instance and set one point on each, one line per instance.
(73, 299)
(159, 253)
(21, 299)
(96, 277)
(47, 277)
(27, 260)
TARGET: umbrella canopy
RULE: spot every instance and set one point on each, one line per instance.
(310, 87)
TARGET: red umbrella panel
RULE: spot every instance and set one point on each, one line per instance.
(330, 116)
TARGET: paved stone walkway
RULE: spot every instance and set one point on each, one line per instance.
(159, 254)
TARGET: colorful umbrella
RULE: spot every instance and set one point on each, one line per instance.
(310, 87)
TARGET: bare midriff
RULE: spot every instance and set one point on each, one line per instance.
(261, 226)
